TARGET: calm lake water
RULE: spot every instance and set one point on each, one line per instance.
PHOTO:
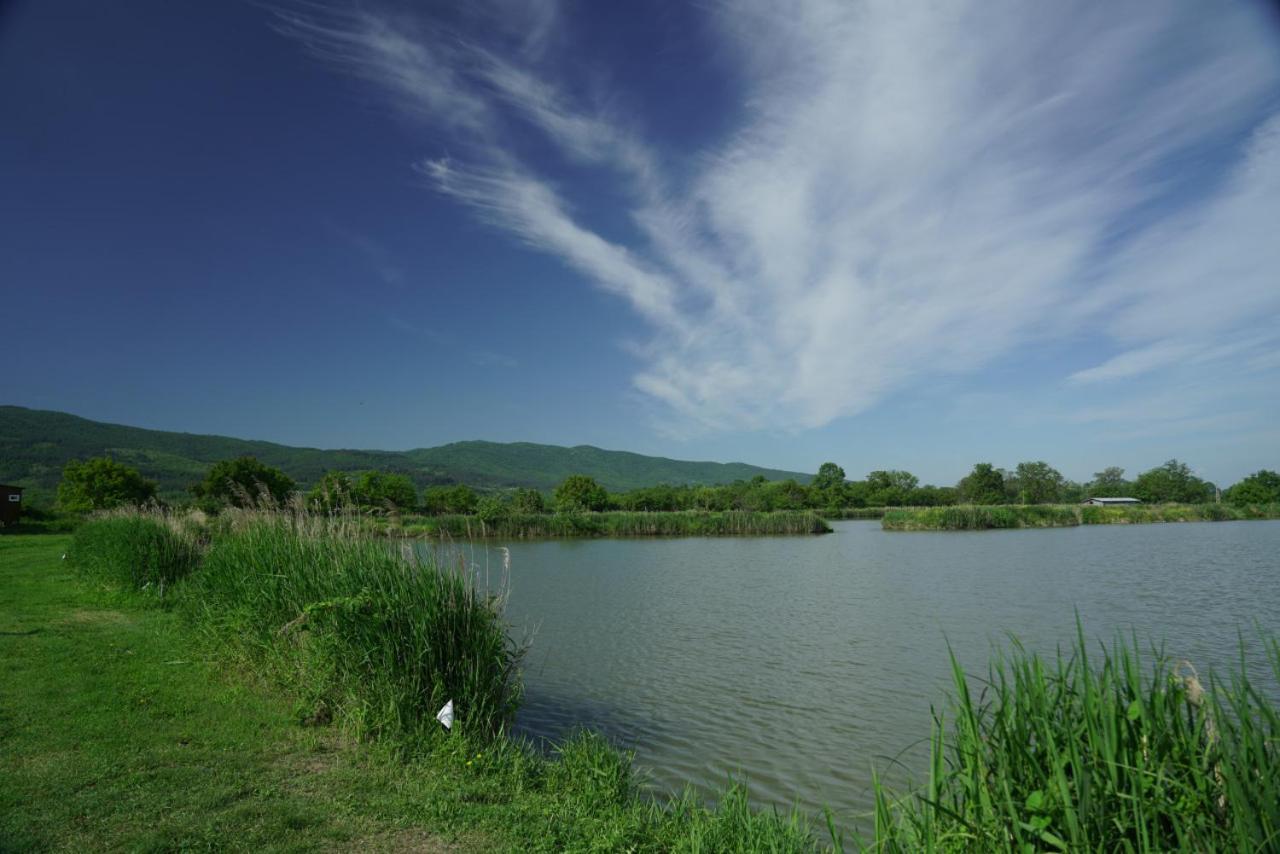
(801, 662)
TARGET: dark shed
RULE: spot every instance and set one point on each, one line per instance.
(10, 504)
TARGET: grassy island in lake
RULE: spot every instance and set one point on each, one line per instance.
(965, 517)
(693, 523)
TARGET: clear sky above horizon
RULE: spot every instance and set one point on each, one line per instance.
(869, 232)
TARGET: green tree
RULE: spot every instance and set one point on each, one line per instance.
(890, 488)
(983, 485)
(1072, 492)
(785, 495)
(491, 508)
(829, 479)
(580, 492)
(1173, 481)
(655, 498)
(1039, 483)
(458, 498)
(333, 492)
(528, 501)
(711, 498)
(380, 489)
(1262, 487)
(1110, 483)
(461, 499)
(100, 483)
(931, 496)
(243, 482)
(858, 494)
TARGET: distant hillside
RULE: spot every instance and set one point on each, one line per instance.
(544, 466)
(35, 445)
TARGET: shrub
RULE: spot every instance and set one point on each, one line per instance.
(382, 490)
(578, 493)
(491, 509)
(334, 491)
(242, 482)
(528, 501)
(101, 483)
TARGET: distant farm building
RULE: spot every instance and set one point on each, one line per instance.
(1109, 502)
(10, 504)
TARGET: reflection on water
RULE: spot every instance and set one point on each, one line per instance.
(799, 662)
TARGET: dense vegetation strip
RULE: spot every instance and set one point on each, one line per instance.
(94, 466)
(976, 518)
(1088, 752)
(615, 524)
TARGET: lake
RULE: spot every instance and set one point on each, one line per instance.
(798, 663)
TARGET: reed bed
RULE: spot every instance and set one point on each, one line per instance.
(855, 512)
(374, 635)
(1152, 513)
(135, 551)
(618, 524)
(362, 631)
(1098, 752)
(965, 517)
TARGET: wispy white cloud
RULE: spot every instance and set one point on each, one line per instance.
(912, 191)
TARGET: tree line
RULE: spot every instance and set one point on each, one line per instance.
(101, 482)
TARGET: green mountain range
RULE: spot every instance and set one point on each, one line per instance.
(35, 445)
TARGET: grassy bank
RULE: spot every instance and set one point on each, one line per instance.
(279, 693)
(353, 645)
(617, 524)
(977, 518)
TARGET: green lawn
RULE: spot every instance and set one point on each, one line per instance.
(116, 733)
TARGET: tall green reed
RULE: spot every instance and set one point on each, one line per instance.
(137, 551)
(967, 517)
(365, 630)
(1097, 753)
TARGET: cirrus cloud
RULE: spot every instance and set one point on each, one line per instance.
(910, 191)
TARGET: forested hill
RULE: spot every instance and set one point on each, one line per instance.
(36, 444)
(544, 466)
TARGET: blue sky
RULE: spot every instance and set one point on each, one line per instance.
(860, 232)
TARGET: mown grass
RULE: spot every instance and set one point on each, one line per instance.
(966, 517)
(1097, 753)
(617, 524)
